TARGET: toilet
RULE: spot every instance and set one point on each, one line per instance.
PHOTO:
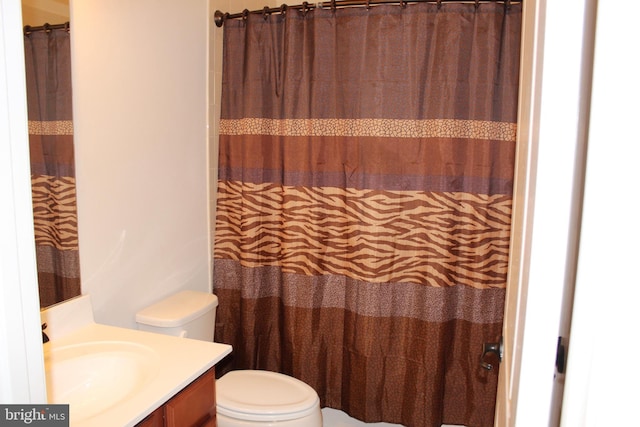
(244, 398)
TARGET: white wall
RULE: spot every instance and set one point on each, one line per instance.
(140, 119)
(145, 94)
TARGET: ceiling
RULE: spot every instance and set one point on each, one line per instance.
(39, 12)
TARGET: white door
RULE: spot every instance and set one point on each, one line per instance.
(555, 82)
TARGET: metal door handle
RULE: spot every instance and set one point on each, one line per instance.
(491, 347)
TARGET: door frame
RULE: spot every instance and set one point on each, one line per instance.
(556, 63)
(21, 358)
(603, 373)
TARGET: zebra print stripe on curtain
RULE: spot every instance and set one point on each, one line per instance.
(48, 72)
(364, 203)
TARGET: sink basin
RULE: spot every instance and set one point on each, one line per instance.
(94, 376)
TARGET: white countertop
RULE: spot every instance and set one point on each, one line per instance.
(179, 360)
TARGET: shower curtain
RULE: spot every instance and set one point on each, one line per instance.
(48, 71)
(364, 201)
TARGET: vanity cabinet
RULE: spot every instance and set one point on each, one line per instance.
(155, 419)
(194, 406)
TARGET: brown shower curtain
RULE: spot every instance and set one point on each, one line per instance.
(364, 203)
(48, 70)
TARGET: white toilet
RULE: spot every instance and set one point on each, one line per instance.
(244, 398)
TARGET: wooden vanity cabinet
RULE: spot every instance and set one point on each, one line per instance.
(155, 419)
(194, 406)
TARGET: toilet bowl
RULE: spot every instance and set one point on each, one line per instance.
(263, 398)
(244, 398)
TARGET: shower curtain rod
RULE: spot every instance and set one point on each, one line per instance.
(28, 29)
(219, 17)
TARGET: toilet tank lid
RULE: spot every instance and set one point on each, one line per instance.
(178, 309)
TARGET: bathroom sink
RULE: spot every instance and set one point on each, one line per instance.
(94, 376)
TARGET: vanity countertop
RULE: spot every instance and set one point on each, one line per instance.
(175, 362)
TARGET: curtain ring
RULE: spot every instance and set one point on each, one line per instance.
(265, 13)
(367, 5)
(477, 4)
(283, 9)
(305, 8)
(27, 30)
(333, 6)
(47, 28)
(245, 14)
(507, 5)
(439, 4)
(403, 4)
(67, 27)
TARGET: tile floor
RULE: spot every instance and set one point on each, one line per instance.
(335, 418)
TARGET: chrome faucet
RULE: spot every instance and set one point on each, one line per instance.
(45, 338)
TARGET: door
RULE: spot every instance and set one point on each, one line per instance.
(554, 98)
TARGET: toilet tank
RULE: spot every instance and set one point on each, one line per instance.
(187, 314)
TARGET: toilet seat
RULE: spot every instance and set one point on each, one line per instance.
(264, 396)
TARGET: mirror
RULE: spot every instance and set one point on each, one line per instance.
(143, 225)
(48, 72)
